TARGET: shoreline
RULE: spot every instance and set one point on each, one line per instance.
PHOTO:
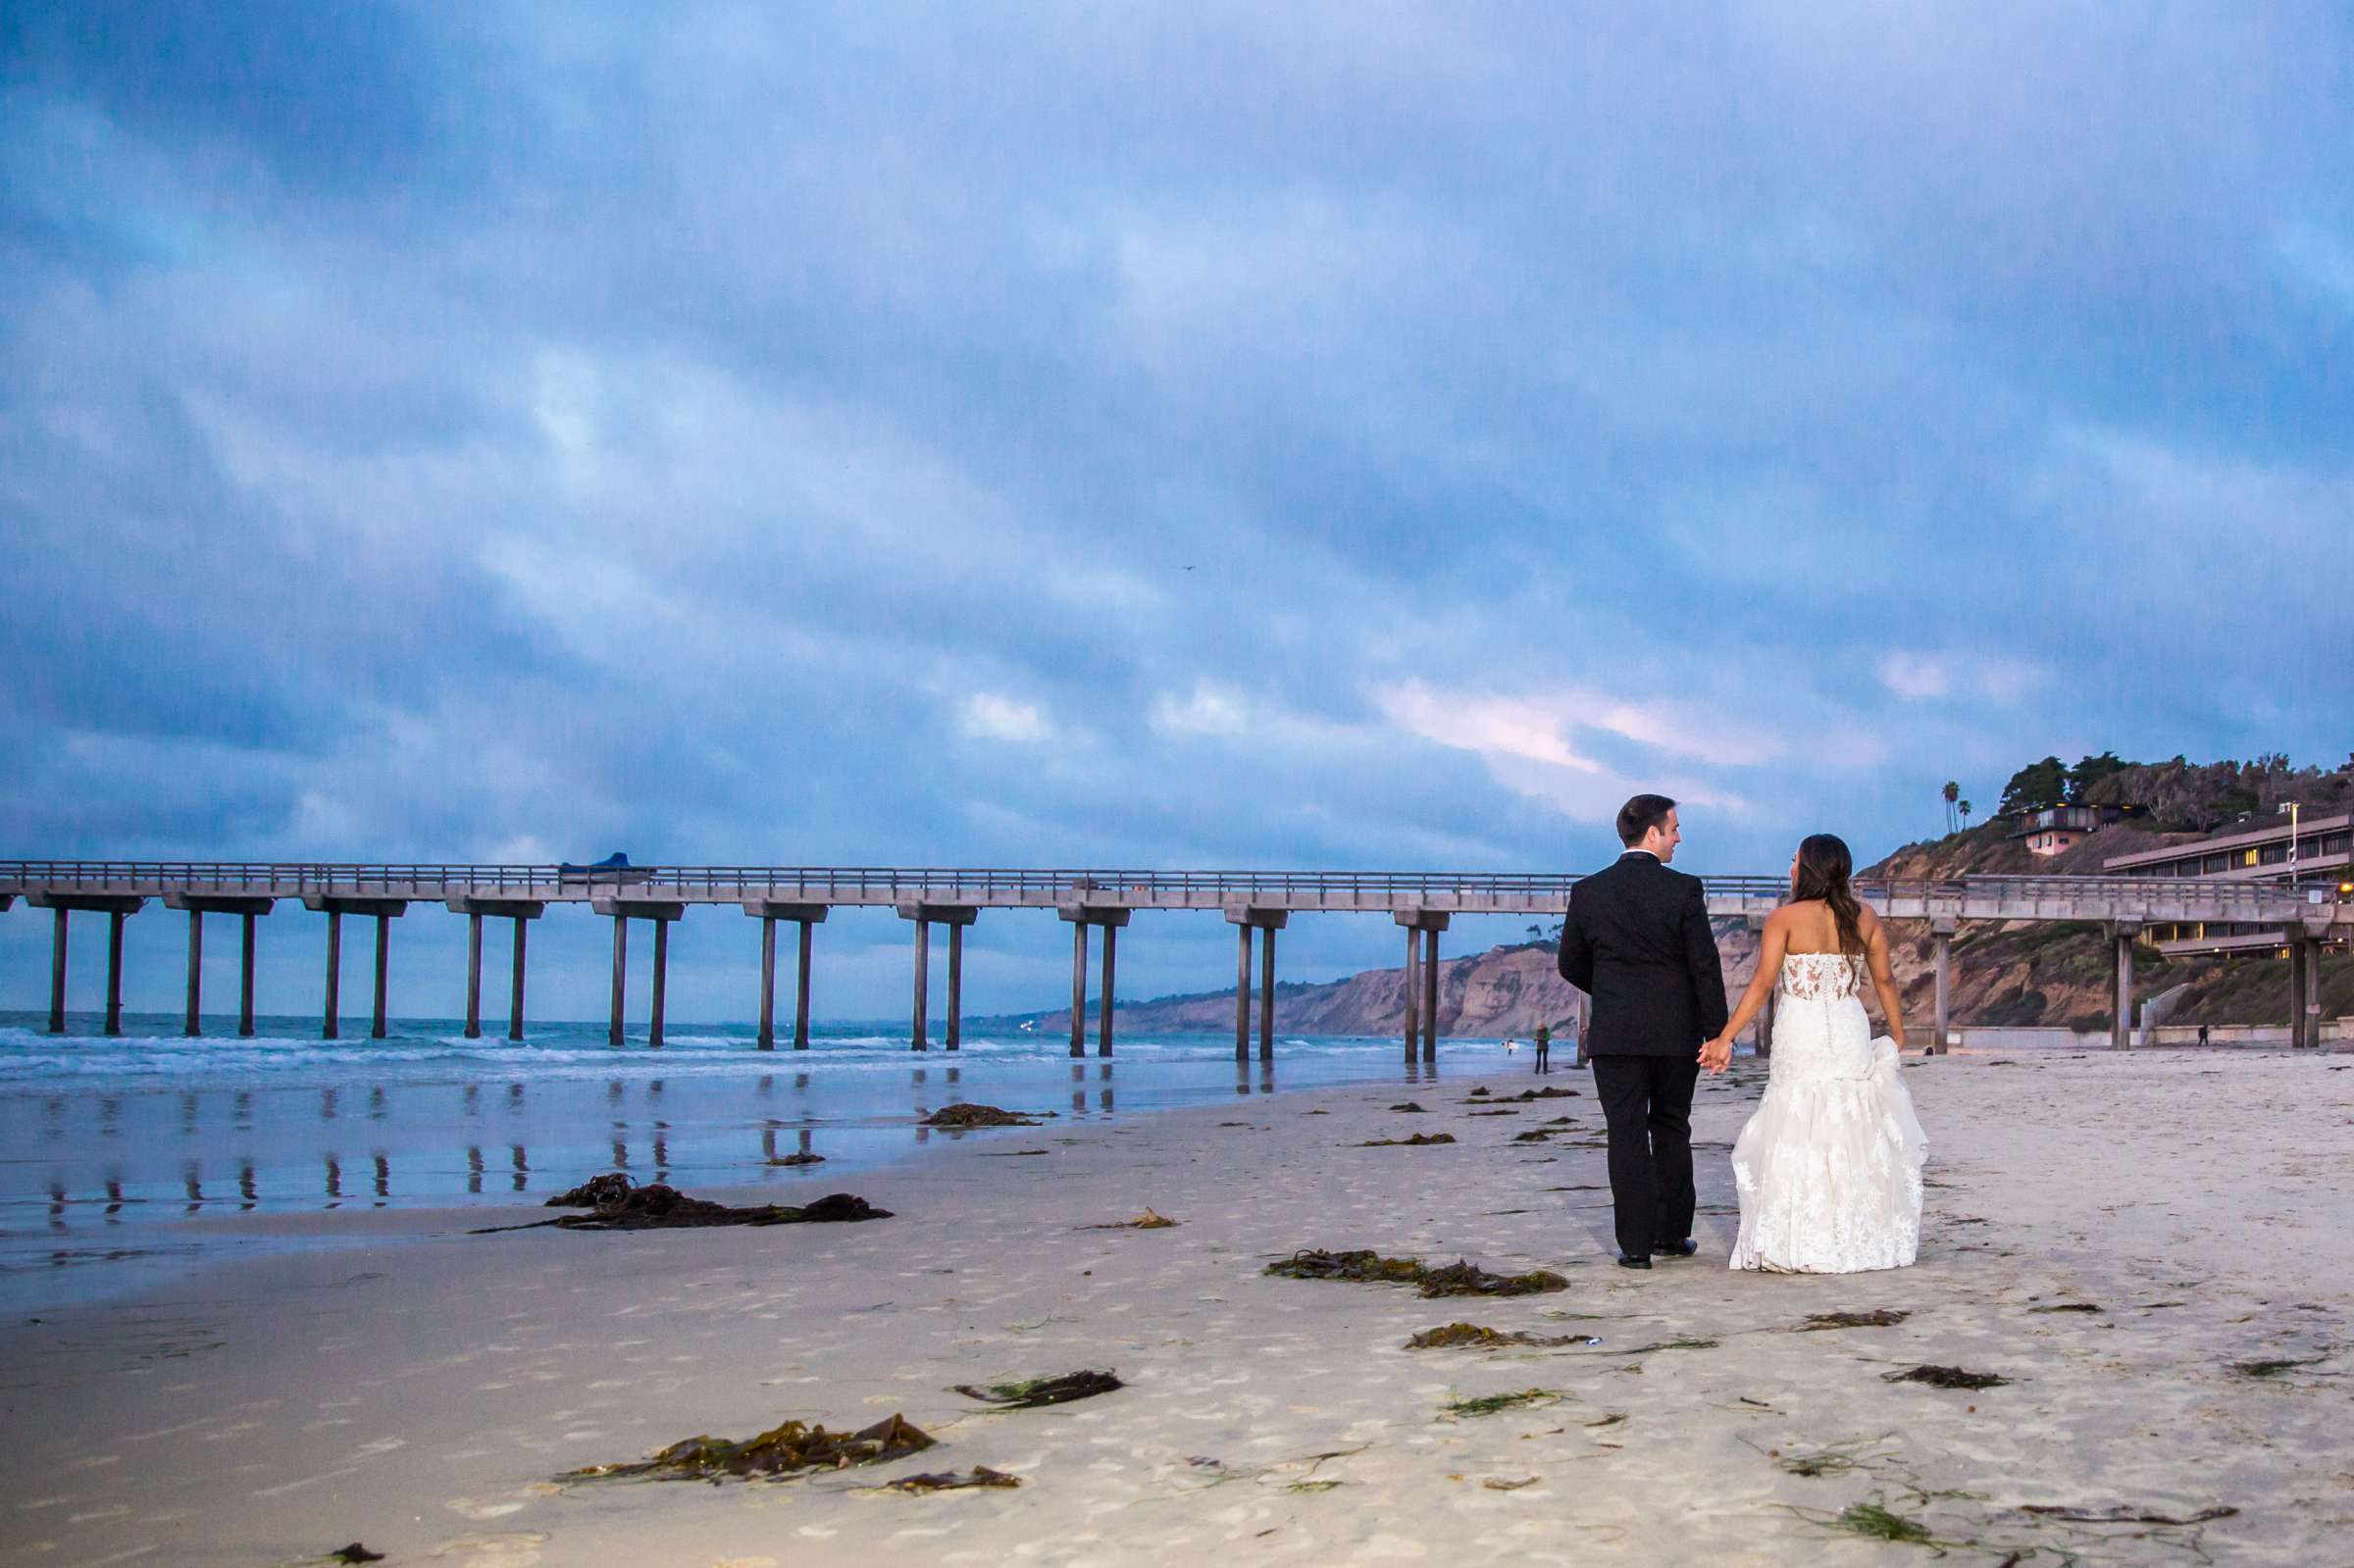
(420, 1395)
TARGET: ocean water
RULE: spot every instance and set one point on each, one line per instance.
(123, 1160)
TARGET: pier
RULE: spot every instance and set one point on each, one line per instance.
(1258, 903)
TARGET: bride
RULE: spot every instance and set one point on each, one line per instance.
(1830, 1167)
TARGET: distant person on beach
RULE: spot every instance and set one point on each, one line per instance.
(1544, 1038)
(1637, 941)
(1828, 1169)
(2202, 1033)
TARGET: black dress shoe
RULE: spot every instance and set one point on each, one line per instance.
(1626, 1262)
(1677, 1249)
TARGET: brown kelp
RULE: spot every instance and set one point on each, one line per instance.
(1418, 1140)
(1476, 1337)
(618, 1204)
(950, 1481)
(1937, 1377)
(1488, 1404)
(782, 1451)
(1032, 1393)
(1146, 1221)
(1880, 1318)
(1460, 1278)
(959, 1117)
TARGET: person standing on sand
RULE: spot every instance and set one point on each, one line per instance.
(1637, 941)
(1544, 1038)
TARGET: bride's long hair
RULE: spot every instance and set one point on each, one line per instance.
(1823, 867)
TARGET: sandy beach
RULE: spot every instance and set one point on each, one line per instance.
(2152, 1250)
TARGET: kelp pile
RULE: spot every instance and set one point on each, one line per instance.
(616, 1203)
(1491, 1404)
(950, 1481)
(1475, 1336)
(1367, 1267)
(1032, 1393)
(1481, 1097)
(1409, 1108)
(2069, 1306)
(782, 1451)
(1882, 1318)
(960, 1117)
(1937, 1377)
(1417, 1141)
(1146, 1221)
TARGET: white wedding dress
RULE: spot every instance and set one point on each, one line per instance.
(1828, 1168)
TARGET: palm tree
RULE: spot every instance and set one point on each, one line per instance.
(1953, 793)
(1963, 808)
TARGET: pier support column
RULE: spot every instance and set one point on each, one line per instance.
(768, 911)
(1423, 927)
(246, 923)
(622, 911)
(194, 1025)
(1941, 933)
(2313, 993)
(475, 907)
(57, 972)
(113, 970)
(2299, 987)
(2123, 933)
(474, 977)
(1266, 921)
(331, 1025)
(1108, 918)
(653, 1032)
(924, 915)
(335, 906)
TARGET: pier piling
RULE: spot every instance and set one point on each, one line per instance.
(113, 970)
(330, 1028)
(953, 916)
(623, 911)
(474, 977)
(2124, 934)
(768, 911)
(1423, 927)
(194, 1026)
(1266, 921)
(1941, 933)
(57, 972)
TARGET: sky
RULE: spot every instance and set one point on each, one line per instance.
(1349, 436)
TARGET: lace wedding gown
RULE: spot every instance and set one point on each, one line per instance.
(1830, 1167)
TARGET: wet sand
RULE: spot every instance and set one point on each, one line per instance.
(418, 1395)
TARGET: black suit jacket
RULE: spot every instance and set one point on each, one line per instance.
(1637, 941)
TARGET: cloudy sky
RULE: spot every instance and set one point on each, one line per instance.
(1321, 436)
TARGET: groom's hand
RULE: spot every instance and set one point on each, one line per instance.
(1716, 1054)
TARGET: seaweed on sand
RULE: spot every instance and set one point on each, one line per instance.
(1409, 1108)
(356, 1552)
(1882, 1318)
(2273, 1368)
(1146, 1221)
(2124, 1516)
(1362, 1265)
(1876, 1522)
(950, 1481)
(1501, 1110)
(1032, 1392)
(1535, 1134)
(2069, 1306)
(1937, 1377)
(804, 1158)
(960, 1116)
(618, 1204)
(1418, 1140)
(1474, 1335)
(781, 1450)
(1491, 1404)
(1465, 1277)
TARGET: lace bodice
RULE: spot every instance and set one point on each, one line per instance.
(1822, 976)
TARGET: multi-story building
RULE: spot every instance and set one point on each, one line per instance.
(2315, 853)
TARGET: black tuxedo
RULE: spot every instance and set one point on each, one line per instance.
(1637, 941)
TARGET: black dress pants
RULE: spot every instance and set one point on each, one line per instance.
(1648, 1102)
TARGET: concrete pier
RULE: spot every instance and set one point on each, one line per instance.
(2124, 934)
(661, 911)
(925, 916)
(768, 911)
(118, 907)
(1108, 918)
(249, 910)
(1246, 919)
(1941, 933)
(1423, 927)
(335, 906)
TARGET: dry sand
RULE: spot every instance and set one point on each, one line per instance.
(417, 1396)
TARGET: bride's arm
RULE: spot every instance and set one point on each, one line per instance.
(1772, 943)
(1883, 979)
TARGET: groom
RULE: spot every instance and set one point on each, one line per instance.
(1637, 941)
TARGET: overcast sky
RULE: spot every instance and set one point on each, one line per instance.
(1349, 436)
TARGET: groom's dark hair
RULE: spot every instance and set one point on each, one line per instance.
(1640, 815)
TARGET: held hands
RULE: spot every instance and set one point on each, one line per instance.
(1716, 1055)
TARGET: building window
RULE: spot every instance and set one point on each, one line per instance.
(2218, 861)
(2274, 854)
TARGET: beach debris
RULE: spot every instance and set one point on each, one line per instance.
(1313, 1485)
(960, 1116)
(1499, 1484)
(1535, 1134)
(1675, 1345)
(2124, 1516)
(2273, 1368)
(1474, 1335)
(1363, 1266)
(1032, 1393)
(1880, 1318)
(1461, 1278)
(1418, 1140)
(1146, 1221)
(1937, 1377)
(1877, 1522)
(781, 1450)
(1489, 1404)
(2069, 1306)
(1500, 1111)
(1409, 1108)
(1013, 1154)
(1815, 1466)
(804, 1158)
(950, 1481)
(356, 1552)
(618, 1204)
